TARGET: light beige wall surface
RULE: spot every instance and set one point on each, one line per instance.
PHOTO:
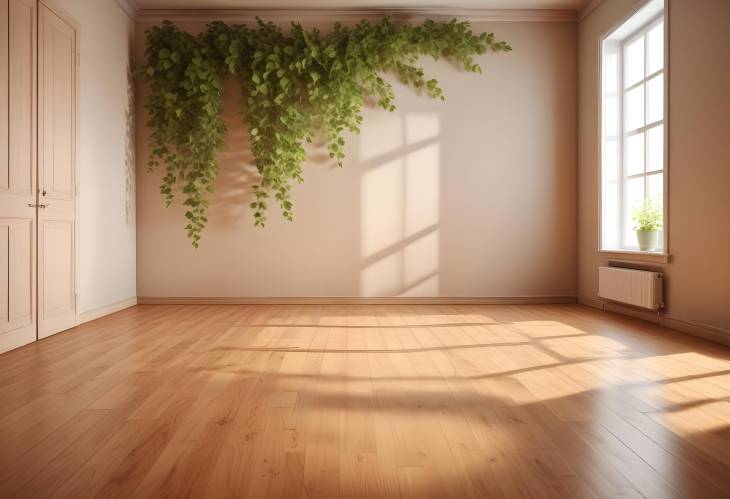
(698, 275)
(106, 245)
(475, 196)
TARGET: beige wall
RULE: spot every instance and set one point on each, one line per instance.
(475, 196)
(106, 246)
(697, 277)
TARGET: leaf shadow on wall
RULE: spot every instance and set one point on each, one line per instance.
(233, 187)
(129, 152)
(233, 192)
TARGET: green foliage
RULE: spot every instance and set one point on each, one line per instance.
(649, 216)
(294, 86)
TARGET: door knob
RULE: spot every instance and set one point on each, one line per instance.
(43, 193)
(41, 206)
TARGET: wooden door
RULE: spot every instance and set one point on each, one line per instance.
(57, 52)
(17, 173)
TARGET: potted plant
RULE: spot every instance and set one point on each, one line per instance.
(648, 222)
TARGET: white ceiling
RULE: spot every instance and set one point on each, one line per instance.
(360, 4)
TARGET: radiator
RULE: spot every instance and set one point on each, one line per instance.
(633, 287)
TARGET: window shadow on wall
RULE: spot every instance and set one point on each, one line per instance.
(399, 205)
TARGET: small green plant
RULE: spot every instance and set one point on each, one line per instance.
(295, 85)
(648, 216)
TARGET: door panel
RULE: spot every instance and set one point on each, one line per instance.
(21, 103)
(17, 173)
(57, 156)
(16, 278)
(56, 101)
(56, 276)
(4, 98)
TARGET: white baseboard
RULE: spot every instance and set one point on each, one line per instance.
(341, 300)
(106, 310)
(711, 333)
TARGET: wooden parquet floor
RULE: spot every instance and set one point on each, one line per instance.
(379, 401)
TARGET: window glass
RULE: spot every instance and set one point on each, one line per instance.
(634, 108)
(611, 171)
(635, 154)
(655, 149)
(655, 187)
(611, 116)
(655, 45)
(634, 198)
(610, 73)
(611, 212)
(634, 61)
(655, 99)
(632, 125)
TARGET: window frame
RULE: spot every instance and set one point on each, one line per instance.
(625, 133)
(625, 252)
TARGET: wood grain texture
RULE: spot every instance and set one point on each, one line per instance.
(437, 401)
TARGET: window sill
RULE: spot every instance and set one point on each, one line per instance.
(635, 256)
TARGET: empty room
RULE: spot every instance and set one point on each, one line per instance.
(365, 248)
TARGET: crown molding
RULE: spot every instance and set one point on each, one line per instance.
(588, 6)
(129, 7)
(345, 15)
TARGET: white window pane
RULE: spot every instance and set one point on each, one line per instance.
(634, 192)
(610, 111)
(610, 215)
(655, 187)
(635, 154)
(634, 198)
(655, 42)
(628, 63)
(655, 192)
(655, 99)
(610, 72)
(655, 146)
(635, 108)
(634, 66)
(610, 161)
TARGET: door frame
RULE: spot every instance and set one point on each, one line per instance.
(65, 16)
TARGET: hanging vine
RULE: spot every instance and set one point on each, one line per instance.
(294, 86)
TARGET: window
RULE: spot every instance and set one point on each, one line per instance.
(633, 127)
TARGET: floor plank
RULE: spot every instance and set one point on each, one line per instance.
(363, 401)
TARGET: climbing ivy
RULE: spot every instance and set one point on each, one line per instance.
(294, 85)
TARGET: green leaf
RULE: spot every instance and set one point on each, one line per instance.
(295, 84)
